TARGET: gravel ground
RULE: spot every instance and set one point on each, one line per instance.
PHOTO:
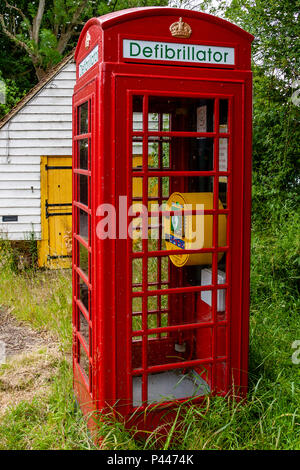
(18, 337)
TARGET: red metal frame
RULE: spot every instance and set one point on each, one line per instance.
(109, 86)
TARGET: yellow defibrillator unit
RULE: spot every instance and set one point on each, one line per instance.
(192, 232)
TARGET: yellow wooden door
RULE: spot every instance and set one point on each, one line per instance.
(55, 250)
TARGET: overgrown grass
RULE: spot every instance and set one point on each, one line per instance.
(42, 298)
(50, 422)
(269, 419)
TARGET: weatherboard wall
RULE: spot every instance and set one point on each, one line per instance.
(42, 127)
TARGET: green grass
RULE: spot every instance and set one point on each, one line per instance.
(40, 298)
(51, 422)
(269, 419)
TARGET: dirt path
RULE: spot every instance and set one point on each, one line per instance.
(18, 337)
(30, 361)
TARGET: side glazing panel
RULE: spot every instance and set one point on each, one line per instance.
(82, 242)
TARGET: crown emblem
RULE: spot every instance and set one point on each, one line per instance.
(180, 29)
(87, 40)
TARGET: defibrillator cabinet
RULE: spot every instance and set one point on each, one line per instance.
(161, 211)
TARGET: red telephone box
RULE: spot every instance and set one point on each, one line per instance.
(161, 136)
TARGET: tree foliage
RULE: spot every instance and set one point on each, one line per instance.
(13, 94)
(45, 30)
(276, 132)
(275, 25)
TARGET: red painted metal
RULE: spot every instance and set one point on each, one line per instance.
(107, 358)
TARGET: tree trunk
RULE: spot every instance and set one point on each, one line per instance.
(40, 73)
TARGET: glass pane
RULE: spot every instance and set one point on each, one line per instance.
(83, 154)
(159, 152)
(137, 113)
(166, 122)
(181, 114)
(152, 303)
(84, 329)
(137, 188)
(84, 362)
(137, 274)
(224, 116)
(206, 296)
(203, 154)
(84, 294)
(83, 224)
(223, 154)
(164, 182)
(136, 391)
(83, 189)
(84, 259)
(153, 122)
(137, 153)
(152, 187)
(137, 118)
(137, 351)
(223, 185)
(222, 222)
(222, 301)
(137, 314)
(222, 268)
(137, 245)
(83, 119)
(222, 293)
(153, 265)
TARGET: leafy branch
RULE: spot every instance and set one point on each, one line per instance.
(31, 29)
(31, 45)
(67, 33)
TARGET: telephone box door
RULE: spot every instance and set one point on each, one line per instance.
(180, 141)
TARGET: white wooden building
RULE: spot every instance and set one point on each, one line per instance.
(38, 129)
(36, 163)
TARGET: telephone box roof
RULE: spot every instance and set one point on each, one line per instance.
(112, 19)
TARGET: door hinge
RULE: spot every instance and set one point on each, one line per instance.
(58, 256)
(65, 204)
(49, 167)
